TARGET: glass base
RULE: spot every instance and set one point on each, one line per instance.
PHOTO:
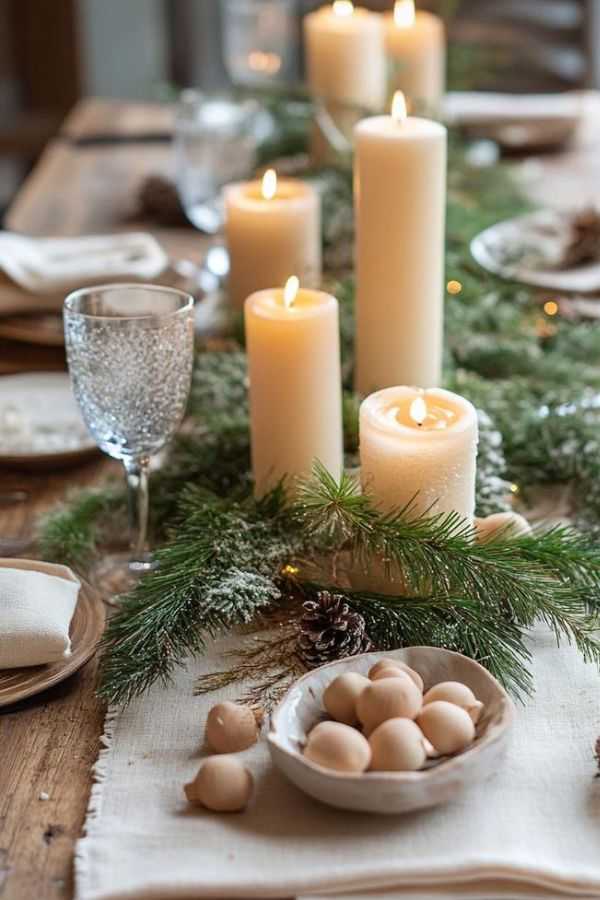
(117, 574)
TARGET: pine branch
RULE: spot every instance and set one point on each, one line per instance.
(219, 569)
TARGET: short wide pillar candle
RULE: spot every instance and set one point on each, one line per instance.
(345, 56)
(400, 187)
(273, 228)
(419, 446)
(295, 386)
(416, 48)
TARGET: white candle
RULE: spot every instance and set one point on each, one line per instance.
(416, 48)
(400, 197)
(419, 446)
(292, 339)
(345, 55)
(272, 228)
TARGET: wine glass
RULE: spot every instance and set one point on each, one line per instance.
(130, 354)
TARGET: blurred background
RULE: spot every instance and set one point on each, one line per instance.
(53, 52)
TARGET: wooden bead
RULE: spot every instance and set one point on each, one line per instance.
(388, 698)
(231, 728)
(222, 784)
(334, 745)
(397, 745)
(448, 727)
(340, 696)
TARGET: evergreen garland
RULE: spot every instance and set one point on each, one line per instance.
(226, 560)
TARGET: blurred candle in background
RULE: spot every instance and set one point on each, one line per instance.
(272, 228)
(400, 199)
(292, 339)
(416, 48)
(345, 55)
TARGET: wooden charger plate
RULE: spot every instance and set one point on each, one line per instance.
(87, 626)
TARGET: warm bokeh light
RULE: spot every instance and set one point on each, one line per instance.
(418, 410)
(343, 7)
(404, 13)
(269, 63)
(399, 107)
(290, 291)
(454, 287)
(269, 184)
(551, 307)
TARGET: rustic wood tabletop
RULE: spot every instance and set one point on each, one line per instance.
(83, 185)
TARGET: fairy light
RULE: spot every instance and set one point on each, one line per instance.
(551, 307)
(454, 287)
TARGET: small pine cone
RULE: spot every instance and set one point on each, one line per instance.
(159, 201)
(330, 630)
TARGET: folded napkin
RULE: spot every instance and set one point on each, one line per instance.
(534, 827)
(46, 265)
(36, 609)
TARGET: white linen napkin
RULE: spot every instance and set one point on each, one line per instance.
(36, 609)
(532, 830)
(50, 265)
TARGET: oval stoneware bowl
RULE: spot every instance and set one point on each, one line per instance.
(391, 792)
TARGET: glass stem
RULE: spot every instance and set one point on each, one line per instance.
(137, 496)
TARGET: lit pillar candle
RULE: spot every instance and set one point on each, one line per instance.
(272, 228)
(416, 48)
(400, 196)
(345, 55)
(419, 446)
(292, 339)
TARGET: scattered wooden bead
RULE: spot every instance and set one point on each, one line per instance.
(222, 785)
(512, 523)
(392, 667)
(231, 728)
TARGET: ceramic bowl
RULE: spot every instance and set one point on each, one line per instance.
(391, 792)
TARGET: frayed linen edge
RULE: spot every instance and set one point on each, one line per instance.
(94, 807)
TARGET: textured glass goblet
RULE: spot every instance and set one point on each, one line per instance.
(130, 353)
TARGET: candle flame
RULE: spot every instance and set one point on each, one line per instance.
(399, 107)
(343, 7)
(418, 410)
(404, 13)
(269, 184)
(290, 291)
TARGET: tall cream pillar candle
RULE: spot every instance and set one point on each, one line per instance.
(400, 197)
(419, 446)
(416, 48)
(295, 385)
(272, 228)
(345, 56)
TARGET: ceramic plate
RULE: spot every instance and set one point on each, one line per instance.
(40, 422)
(41, 328)
(391, 792)
(86, 630)
(528, 248)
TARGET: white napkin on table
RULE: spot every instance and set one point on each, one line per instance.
(36, 609)
(46, 265)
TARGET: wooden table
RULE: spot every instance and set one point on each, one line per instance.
(49, 744)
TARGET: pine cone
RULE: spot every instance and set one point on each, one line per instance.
(584, 241)
(159, 201)
(330, 630)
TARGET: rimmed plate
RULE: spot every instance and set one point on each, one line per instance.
(529, 248)
(40, 422)
(43, 328)
(87, 626)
